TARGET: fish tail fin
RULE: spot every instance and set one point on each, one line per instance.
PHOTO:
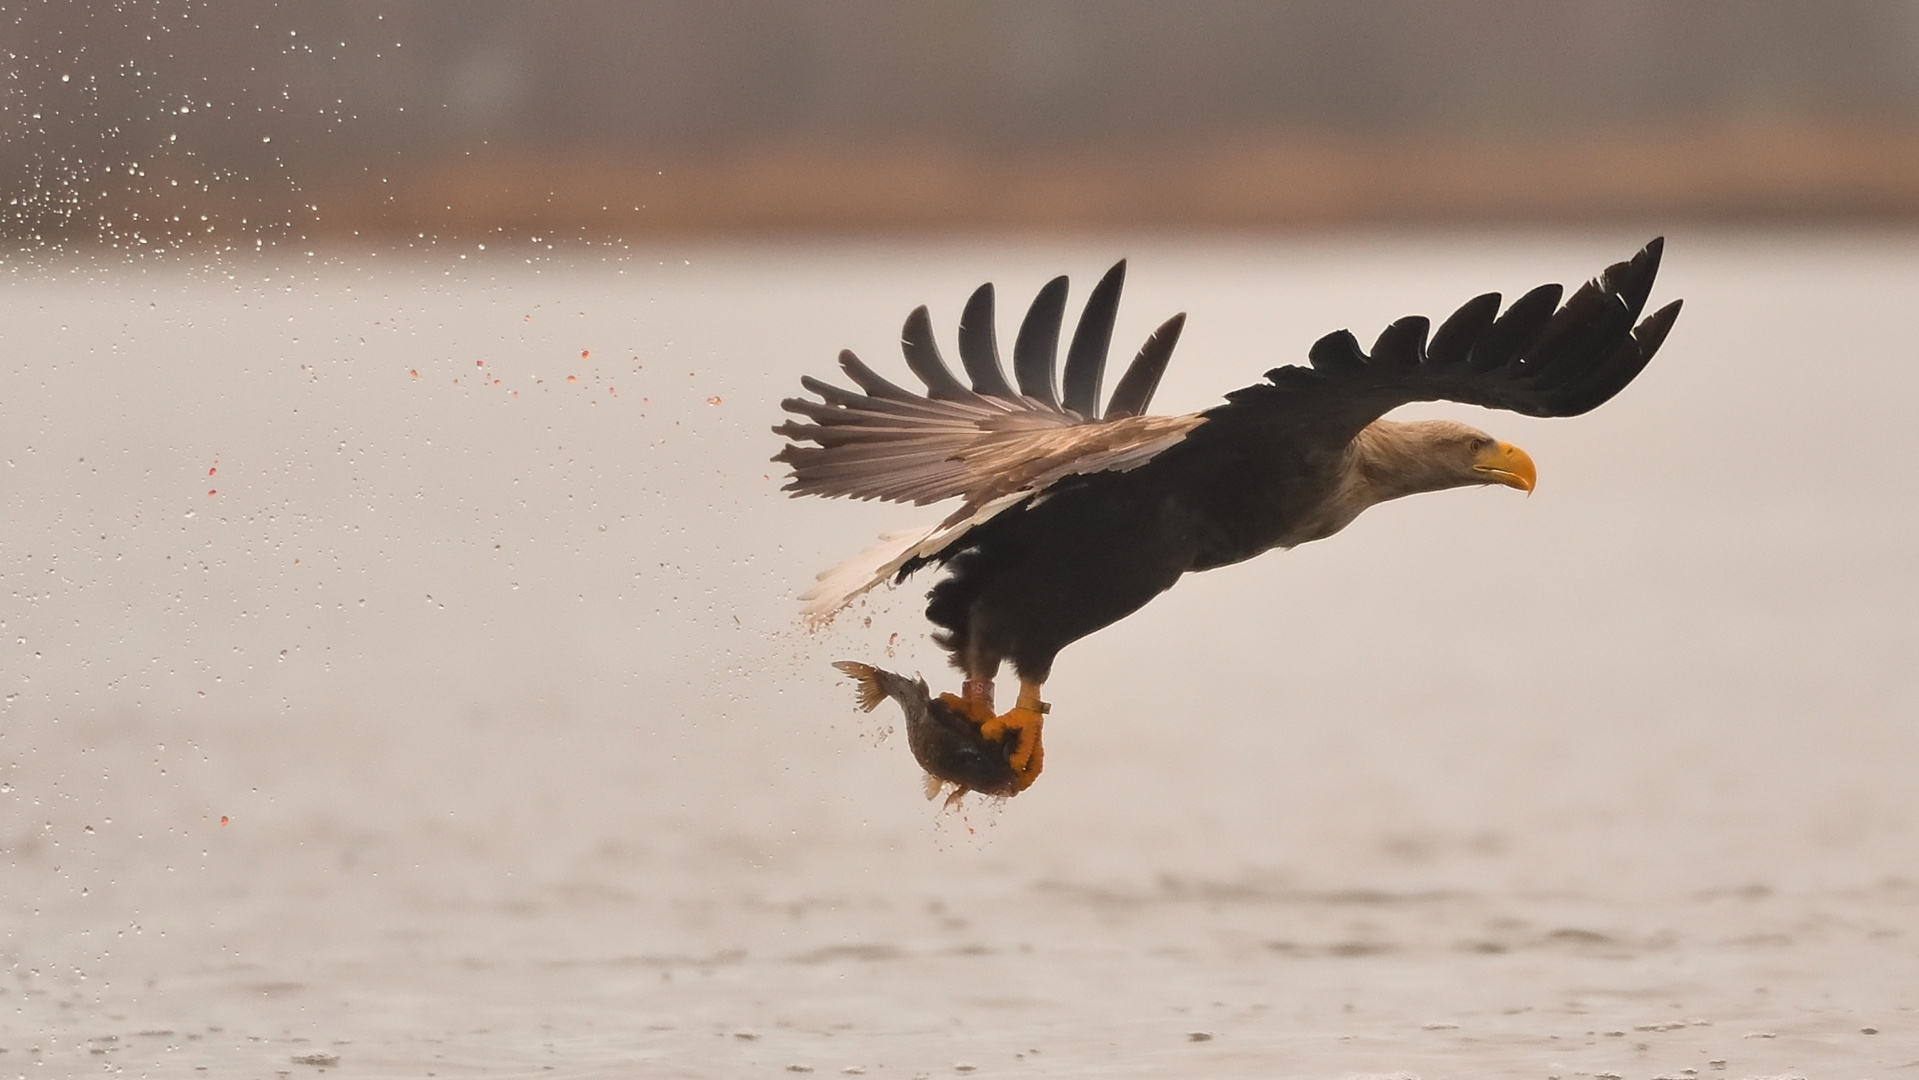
(870, 691)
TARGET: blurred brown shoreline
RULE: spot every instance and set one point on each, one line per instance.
(1791, 173)
(1797, 173)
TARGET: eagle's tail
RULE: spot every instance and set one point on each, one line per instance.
(834, 589)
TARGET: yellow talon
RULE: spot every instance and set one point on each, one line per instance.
(1026, 755)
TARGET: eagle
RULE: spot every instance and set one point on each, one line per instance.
(1072, 516)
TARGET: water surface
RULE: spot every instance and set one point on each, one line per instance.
(400, 679)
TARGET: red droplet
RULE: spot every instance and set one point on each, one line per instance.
(415, 372)
(223, 819)
(572, 378)
(584, 353)
(714, 400)
(610, 390)
(213, 470)
(479, 363)
(212, 491)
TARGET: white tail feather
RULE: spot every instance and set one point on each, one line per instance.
(834, 589)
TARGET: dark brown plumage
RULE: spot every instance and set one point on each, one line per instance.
(1070, 518)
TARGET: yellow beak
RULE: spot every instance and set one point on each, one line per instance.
(1504, 463)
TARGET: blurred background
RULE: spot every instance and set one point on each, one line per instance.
(242, 123)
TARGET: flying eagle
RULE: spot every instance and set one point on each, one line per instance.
(1072, 517)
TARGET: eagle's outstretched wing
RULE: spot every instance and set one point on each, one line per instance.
(986, 441)
(1539, 357)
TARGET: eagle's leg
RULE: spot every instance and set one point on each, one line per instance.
(976, 693)
(975, 699)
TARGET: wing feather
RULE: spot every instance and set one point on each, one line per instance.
(1500, 346)
(979, 348)
(923, 357)
(866, 379)
(1136, 388)
(1453, 341)
(1401, 346)
(1037, 346)
(1086, 356)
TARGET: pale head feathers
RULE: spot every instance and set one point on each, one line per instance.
(1395, 459)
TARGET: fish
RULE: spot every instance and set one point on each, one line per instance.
(946, 744)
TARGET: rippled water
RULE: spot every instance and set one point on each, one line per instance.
(400, 679)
